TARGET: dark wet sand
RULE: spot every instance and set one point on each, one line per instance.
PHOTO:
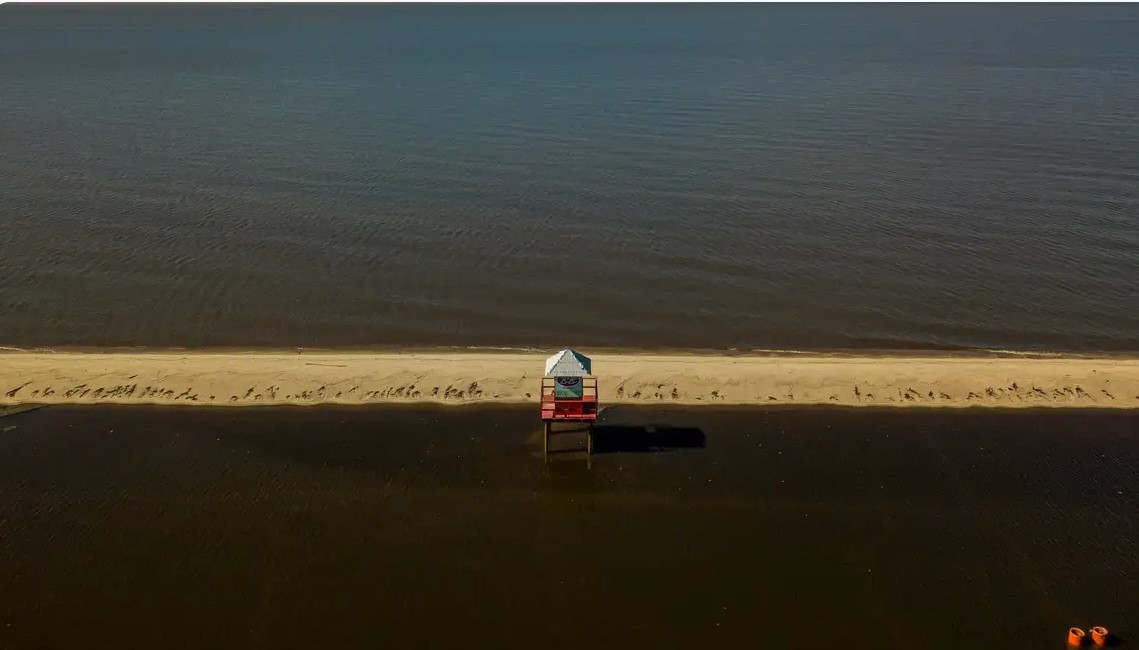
(400, 527)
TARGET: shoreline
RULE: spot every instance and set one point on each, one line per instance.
(869, 352)
(255, 377)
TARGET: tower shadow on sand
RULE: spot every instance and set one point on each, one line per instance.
(625, 438)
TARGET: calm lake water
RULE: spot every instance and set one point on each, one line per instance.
(638, 176)
(406, 528)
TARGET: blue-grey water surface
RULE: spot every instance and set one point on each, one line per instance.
(641, 176)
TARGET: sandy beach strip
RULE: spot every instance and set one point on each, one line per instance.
(235, 378)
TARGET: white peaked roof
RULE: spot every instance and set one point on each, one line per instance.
(569, 363)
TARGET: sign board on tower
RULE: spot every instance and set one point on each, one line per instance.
(570, 387)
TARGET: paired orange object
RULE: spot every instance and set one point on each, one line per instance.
(1100, 636)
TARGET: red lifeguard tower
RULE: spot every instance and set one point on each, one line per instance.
(569, 394)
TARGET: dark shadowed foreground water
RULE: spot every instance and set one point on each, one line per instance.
(407, 528)
(682, 176)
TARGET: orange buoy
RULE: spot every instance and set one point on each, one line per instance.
(1075, 636)
(1100, 635)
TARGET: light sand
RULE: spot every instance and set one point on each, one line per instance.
(256, 378)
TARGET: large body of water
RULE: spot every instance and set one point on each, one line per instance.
(646, 176)
(402, 528)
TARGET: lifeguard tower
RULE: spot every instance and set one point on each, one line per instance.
(569, 394)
